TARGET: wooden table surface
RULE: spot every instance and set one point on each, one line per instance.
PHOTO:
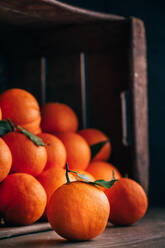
(148, 232)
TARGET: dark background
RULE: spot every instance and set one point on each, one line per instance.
(153, 15)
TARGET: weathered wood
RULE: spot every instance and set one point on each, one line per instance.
(149, 232)
(41, 12)
(138, 86)
(9, 232)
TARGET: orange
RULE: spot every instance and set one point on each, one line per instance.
(52, 179)
(20, 106)
(78, 211)
(103, 170)
(23, 199)
(128, 202)
(33, 127)
(78, 151)
(27, 157)
(58, 117)
(93, 136)
(5, 160)
(56, 152)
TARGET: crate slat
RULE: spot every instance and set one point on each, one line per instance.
(33, 13)
(138, 85)
(9, 232)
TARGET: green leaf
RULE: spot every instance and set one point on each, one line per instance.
(95, 148)
(105, 184)
(81, 176)
(4, 127)
(12, 126)
(35, 139)
(67, 173)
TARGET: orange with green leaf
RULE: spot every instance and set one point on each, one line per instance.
(104, 170)
(93, 137)
(79, 210)
(28, 152)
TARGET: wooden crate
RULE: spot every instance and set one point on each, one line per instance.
(94, 62)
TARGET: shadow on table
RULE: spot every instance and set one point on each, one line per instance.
(51, 243)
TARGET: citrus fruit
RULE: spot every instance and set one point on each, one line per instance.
(93, 136)
(33, 127)
(5, 160)
(78, 211)
(56, 152)
(128, 202)
(23, 199)
(77, 149)
(27, 157)
(58, 117)
(52, 179)
(103, 170)
(21, 107)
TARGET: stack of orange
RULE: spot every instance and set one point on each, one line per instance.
(22, 198)
(33, 176)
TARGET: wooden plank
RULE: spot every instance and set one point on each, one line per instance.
(30, 13)
(9, 232)
(138, 86)
(148, 232)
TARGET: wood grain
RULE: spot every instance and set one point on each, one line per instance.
(9, 232)
(34, 13)
(149, 232)
(138, 86)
